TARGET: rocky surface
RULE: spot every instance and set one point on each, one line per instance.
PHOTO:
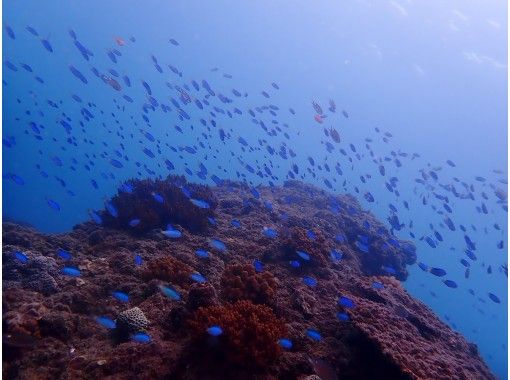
(50, 330)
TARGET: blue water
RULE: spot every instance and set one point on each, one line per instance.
(433, 74)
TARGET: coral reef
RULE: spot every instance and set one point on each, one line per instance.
(50, 327)
(242, 282)
(250, 333)
(156, 203)
(169, 269)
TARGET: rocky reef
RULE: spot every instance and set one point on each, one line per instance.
(273, 263)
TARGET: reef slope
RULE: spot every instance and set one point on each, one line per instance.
(50, 330)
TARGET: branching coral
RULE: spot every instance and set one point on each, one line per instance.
(150, 204)
(242, 282)
(250, 333)
(168, 269)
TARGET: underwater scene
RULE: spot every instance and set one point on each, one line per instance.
(254, 189)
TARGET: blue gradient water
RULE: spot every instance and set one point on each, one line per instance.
(432, 73)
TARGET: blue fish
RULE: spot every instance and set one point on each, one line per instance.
(200, 203)
(218, 244)
(269, 232)
(335, 255)
(71, 271)
(258, 265)
(389, 270)
(304, 255)
(170, 292)
(197, 277)
(311, 235)
(313, 334)
(141, 338)
(158, 197)
(211, 220)
(134, 222)
(172, 234)
(235, 223)
(95, 217)
(285, 343)
(312, 282)
(215, 330)
(54, 205)
(377, 285)
(202, 253)
(21, 257)
(450, 283)
(111, 209)
(63, 254)
(120, 296)
(344, 317)
(294, 263)
(106, 322)
(346, 302)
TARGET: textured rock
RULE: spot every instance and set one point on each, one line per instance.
(49, 322)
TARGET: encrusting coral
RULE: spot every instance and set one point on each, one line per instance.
(242, 282)
(143, 203)
(250, 333)
(167, 269)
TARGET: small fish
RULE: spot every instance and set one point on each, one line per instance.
(344, 317)
(173, 42)
(313, 334)
(170, 292)
(54, 205)
(138, 260)
(377, 285)
(134, 222)
(258, 265)
(215, 330)
(197, 277)
(120, 296)
(389, 270)
(21, 257)
(71, 271)
(335, 255)
(269, 232)
(211, 220)
(235, 223)
(312, 282)
(494, 298)
(200, 203)
(346, 302)
(141, 338)
(172, 234)
(63, 254)
(437, 272)
(47, 45)
(218, 244)
(202, 253)
(294, 263)
(285, 343)
(304, 255)
(106, 322)
(158, 197)
(450, 283)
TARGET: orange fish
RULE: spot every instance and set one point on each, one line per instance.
(318, 119)
(120, 41)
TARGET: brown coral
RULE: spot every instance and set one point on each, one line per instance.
(176, 206)
(242, 282)
(168, 269)
(250, 333)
